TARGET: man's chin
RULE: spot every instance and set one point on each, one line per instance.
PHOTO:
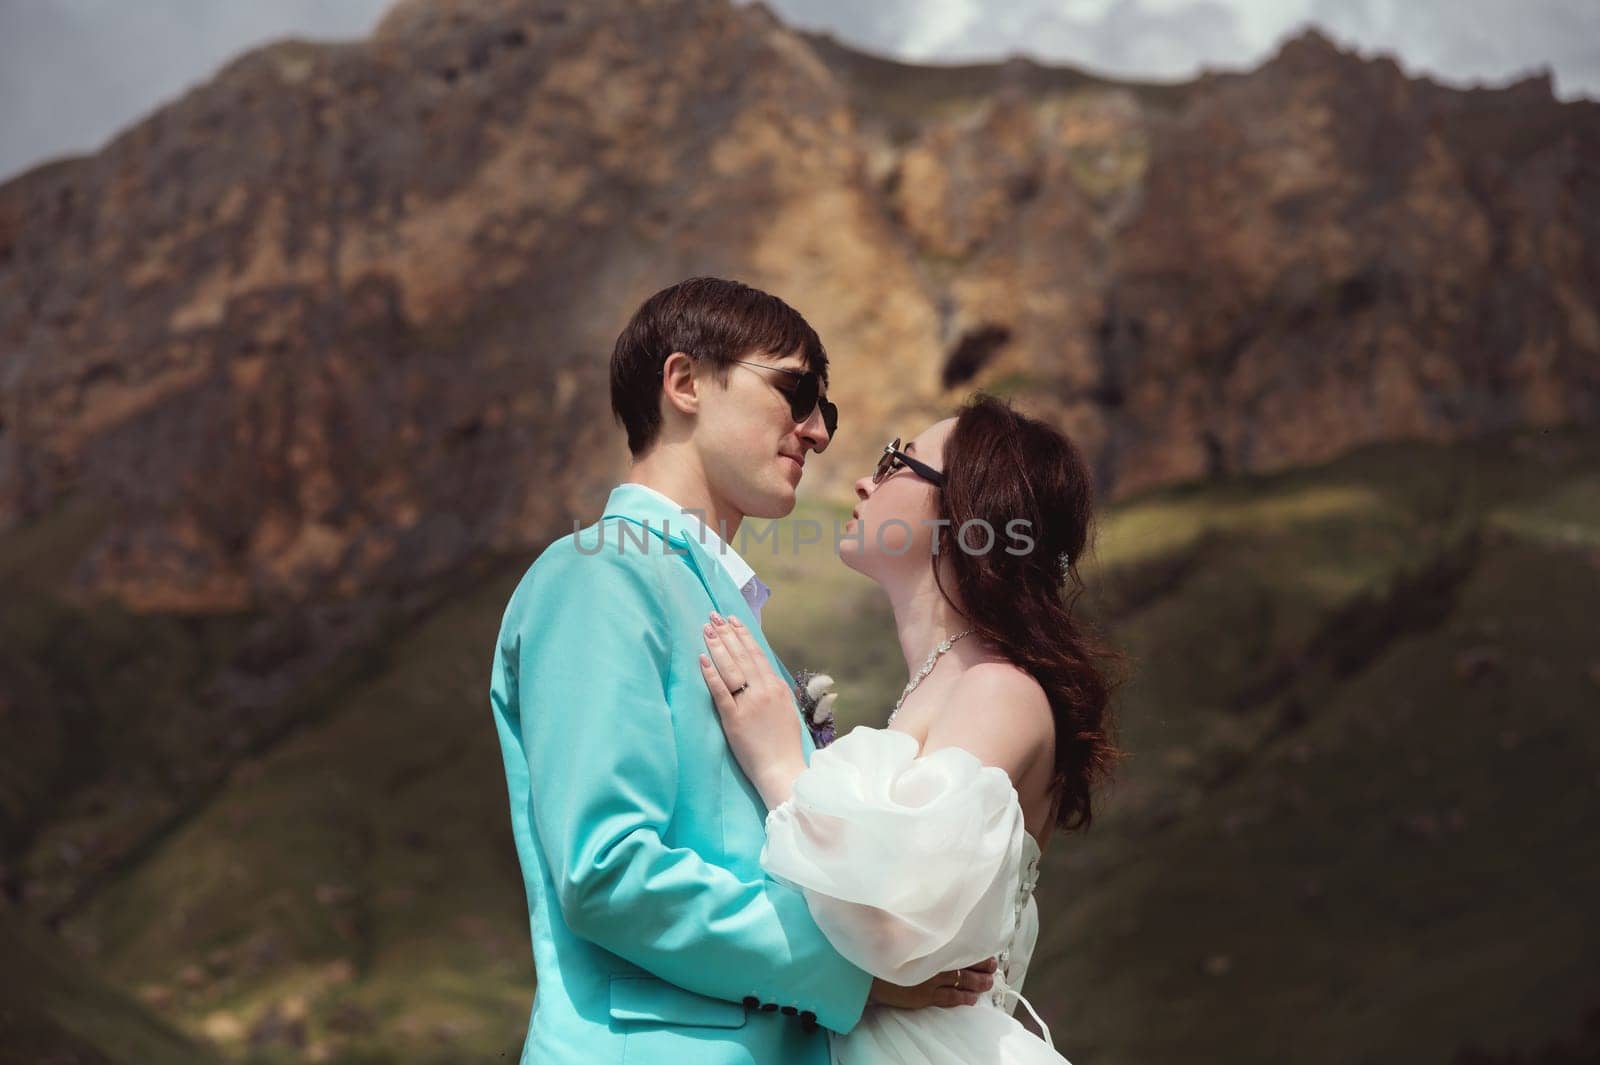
(774, 505)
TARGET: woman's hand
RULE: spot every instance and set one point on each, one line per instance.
(762, 722)
(940, 990)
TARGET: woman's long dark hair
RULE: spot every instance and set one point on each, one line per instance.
(1000, 467)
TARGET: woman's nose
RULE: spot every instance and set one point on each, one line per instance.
(863, 487)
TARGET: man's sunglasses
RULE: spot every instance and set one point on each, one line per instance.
(804, 397)
(893, 458)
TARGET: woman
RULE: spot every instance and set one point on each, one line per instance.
(918, 845)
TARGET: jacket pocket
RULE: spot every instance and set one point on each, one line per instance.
(648, 998)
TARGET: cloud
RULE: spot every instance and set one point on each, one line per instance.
(1457, 41)
(906, 29)
(74, 72)
(1129, 38)
(1475, 41)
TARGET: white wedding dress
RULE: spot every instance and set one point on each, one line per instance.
(913, 865)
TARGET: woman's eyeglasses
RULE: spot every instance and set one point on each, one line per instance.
(893, 458)
(804, 397)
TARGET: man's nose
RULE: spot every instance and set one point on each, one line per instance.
(815, 431)
(863, 487)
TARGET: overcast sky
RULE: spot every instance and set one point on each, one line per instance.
(74, 72)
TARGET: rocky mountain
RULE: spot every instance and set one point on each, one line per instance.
(299, 372)
(338, 319)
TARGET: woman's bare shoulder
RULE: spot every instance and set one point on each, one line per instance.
(1003, 692)
(998, 712)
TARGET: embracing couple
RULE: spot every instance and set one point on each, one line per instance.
(705, 884)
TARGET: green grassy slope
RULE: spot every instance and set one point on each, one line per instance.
(1357, 821)
(354, 889)
(56, 1010)
(1408, 871)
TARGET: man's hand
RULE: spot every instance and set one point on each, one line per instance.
(940, 990)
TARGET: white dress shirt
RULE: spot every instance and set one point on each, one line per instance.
(750, 586)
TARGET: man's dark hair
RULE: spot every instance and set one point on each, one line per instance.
(714, 322)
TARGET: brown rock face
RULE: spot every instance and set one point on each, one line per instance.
(339, 319)
(1329, 253)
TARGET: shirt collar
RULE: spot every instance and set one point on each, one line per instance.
(704, 535)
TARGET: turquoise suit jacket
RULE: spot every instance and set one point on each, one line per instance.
(657, 937)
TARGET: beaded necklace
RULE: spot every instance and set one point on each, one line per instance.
(927, 667)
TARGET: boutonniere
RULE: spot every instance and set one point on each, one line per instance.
(814, 692)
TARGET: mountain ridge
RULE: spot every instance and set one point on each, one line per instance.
(337, 319)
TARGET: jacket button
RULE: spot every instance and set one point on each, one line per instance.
(790, 1011)
(768, 1007)
(751, 1002)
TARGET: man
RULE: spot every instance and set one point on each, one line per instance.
(657, 937)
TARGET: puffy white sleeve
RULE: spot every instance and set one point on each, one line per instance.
(910, 865)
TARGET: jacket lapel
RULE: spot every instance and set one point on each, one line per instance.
(730, 601)
(671, 525)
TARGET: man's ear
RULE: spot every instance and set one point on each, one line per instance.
(679, 384)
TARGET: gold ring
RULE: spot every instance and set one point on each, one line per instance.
(958, 979)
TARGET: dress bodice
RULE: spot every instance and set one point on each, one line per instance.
(912, 863)
(1012, 961)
